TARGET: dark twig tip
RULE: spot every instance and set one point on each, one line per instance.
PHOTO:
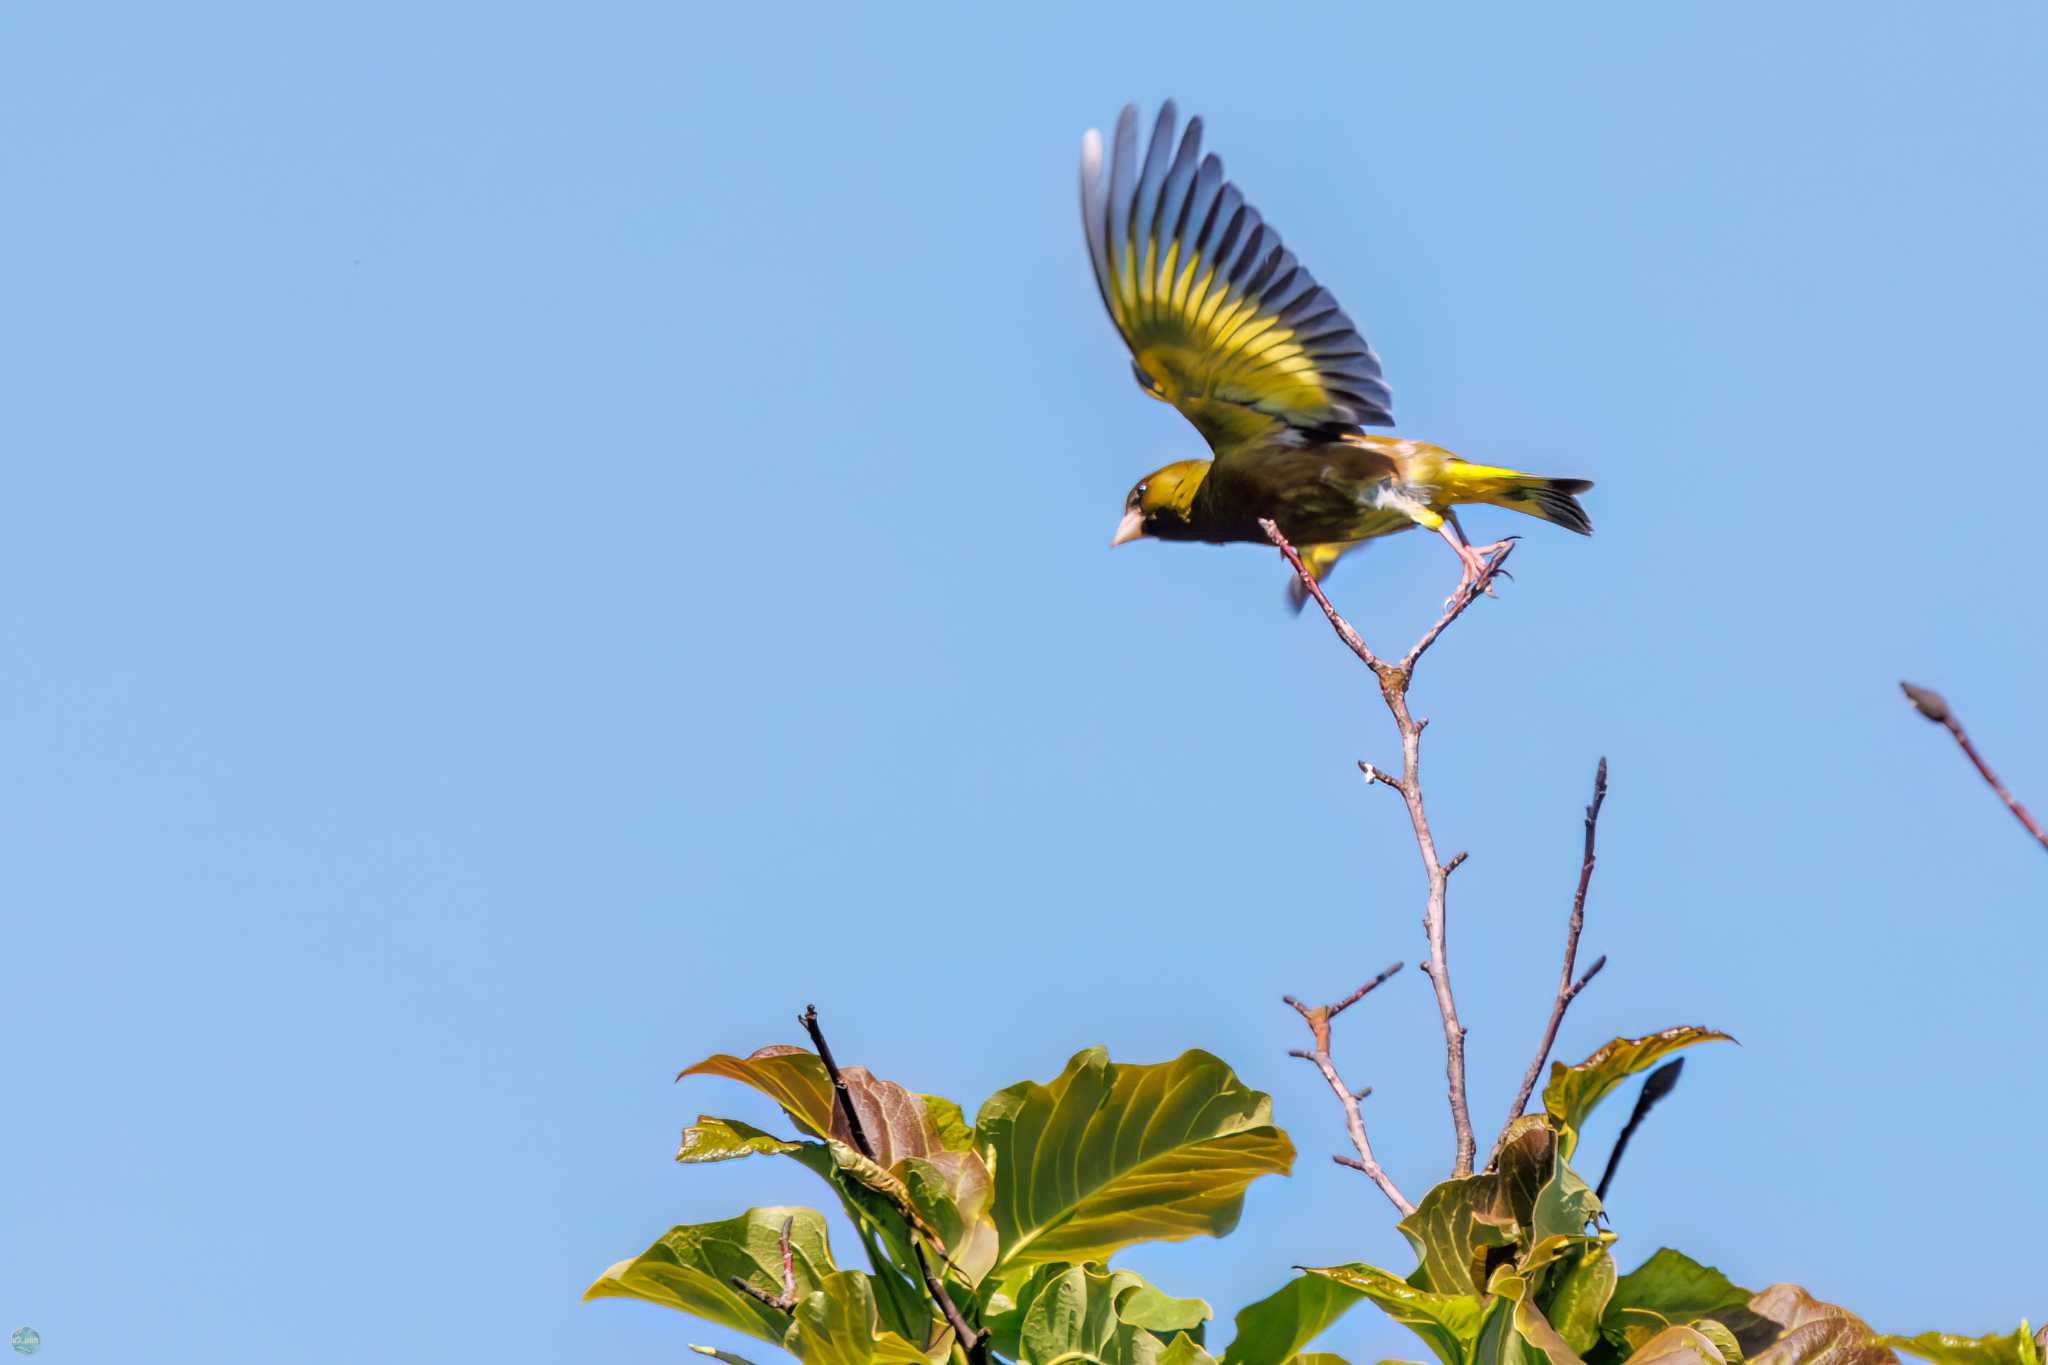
(1927, 702)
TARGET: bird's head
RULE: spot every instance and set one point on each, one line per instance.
(1158, 505)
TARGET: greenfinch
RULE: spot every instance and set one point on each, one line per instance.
(1223, 323)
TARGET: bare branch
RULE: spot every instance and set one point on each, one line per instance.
(1567, 989)
(1394, 680)
(972, 1340)
(1932, 705)
(788, 1263)
(785, 1302)
(1367, 989)
(1318, 1018)
(1315, 590)
(1463, 598)
(1438, 967)
(1373, 774)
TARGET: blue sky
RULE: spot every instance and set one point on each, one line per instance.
(538, 543)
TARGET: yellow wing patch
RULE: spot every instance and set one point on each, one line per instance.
(1221, 320)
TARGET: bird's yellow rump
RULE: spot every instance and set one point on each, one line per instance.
(1223, 323)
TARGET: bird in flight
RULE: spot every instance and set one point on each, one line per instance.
(1223, 323)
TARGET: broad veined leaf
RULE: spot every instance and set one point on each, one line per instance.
(1453, 1228)
(1574, 1091)
(1273, 1330)
(1544, 1196)
(1071, 1315)
(1678, 1346)
(952, 1191)
(792, 1077)
(1815, 1333)
(1108, 1155)
(873, 1200)
(948, 1123)
(1535, 1331)
(1716, 1331)
(1527, 1156)
(1449, 1324)
(1184, 1350)
(1579, 1296)
(896, 1122)
(710, 1139)
(1676, 1288)
(2000, 1348)
(1498, 1343)
(693, 1267)
(836, 1325)
(1121, 1293)
(1564, 1206)
(1161, 1313)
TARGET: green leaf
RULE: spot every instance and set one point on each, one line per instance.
(896, 1122)
(1678, 1346)
(1564, 1205)
(2000, 1348)
(1716, 1331)
(1120, 1294)
(836, 1325)
(1072, 1315)
(692, 1269)
(710, 1139)
(1273, 1330)
(1574, 1091)
(1108, 1155)
(1185, 1350)
(1543, 1195)
(1579, 1297)
(952, 1191)
(948, 1123)
(1449, 1324)
(1156, 1311)
(1452, 1229)
(1527, 1156)
(1498, 1343)
(1536, 1333)
(1676, 1288)
(792, 1077)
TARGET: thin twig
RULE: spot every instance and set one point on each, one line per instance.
(1655, 1088)
(1932, 705)
(1567, 989)
(1463, 598)
(786, 1301)
(973, 1340)
(1437, 969)
(1318, 1018)
(1343, 628)
(1394, 679)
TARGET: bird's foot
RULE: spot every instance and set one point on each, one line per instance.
(1472, 568)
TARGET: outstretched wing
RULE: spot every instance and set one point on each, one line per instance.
(1222, 321)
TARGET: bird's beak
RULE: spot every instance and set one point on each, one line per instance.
(1129, 529)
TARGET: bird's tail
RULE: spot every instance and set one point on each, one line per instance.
(1550, 500)
(1318, 560)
